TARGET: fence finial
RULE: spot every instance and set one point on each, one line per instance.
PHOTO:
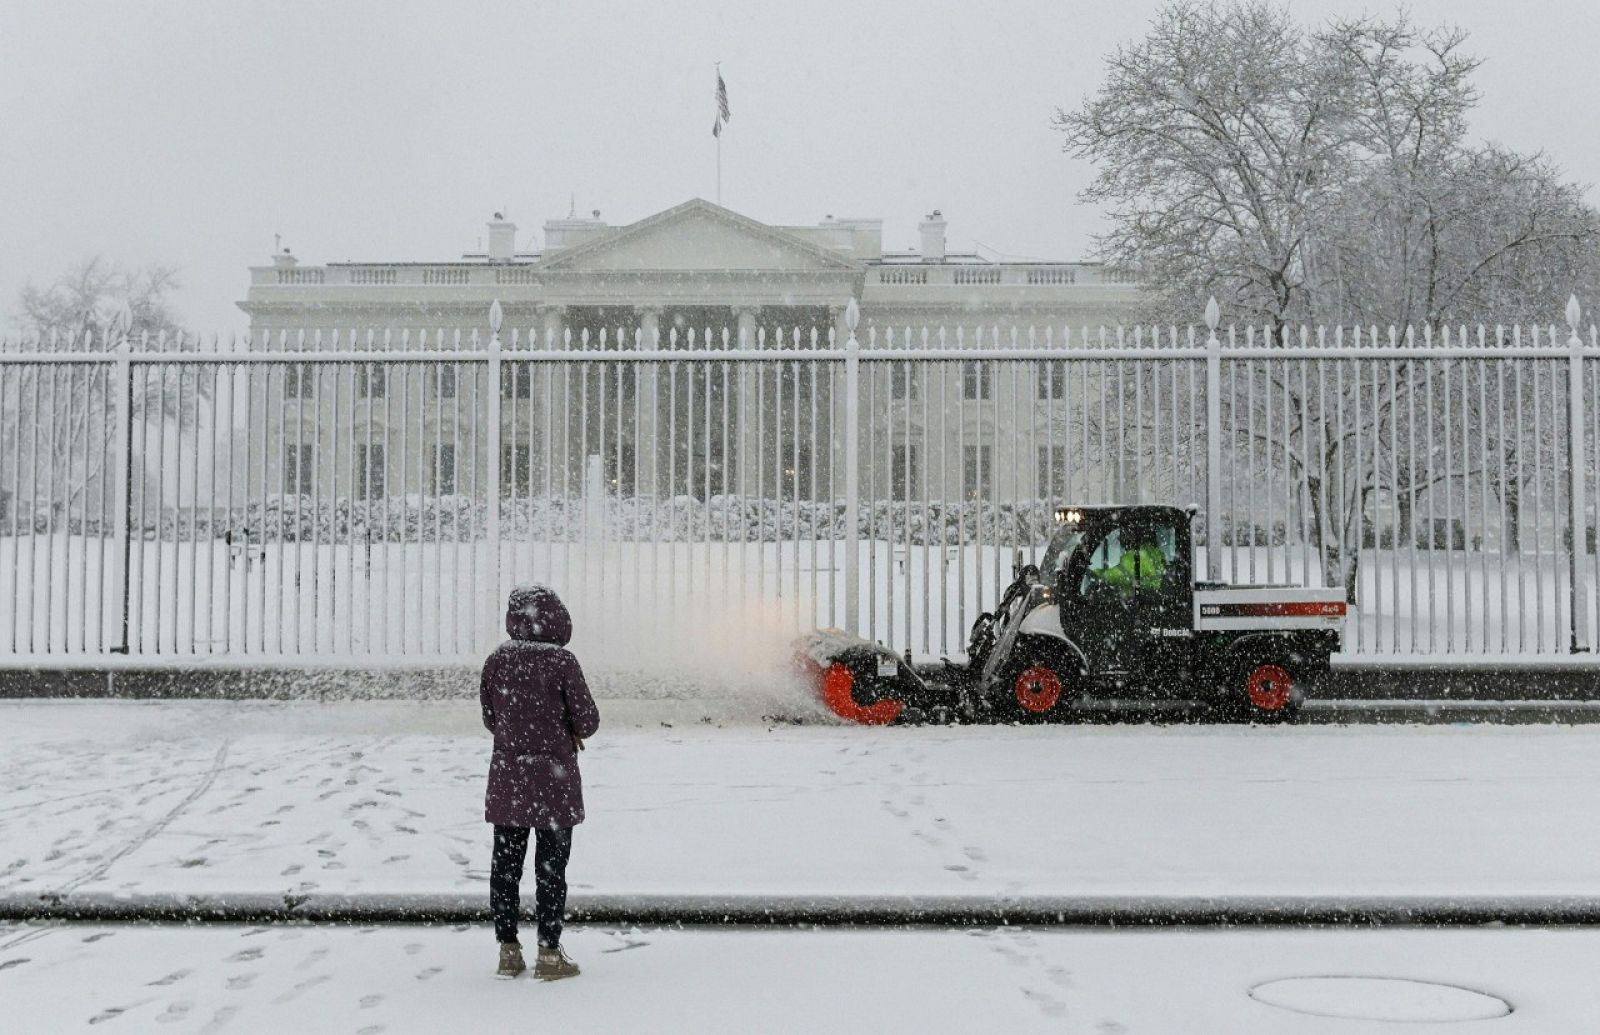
(852, 315)
(1213, 314)
(496, 316)
(1574, 313)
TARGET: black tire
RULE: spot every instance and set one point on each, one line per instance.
(1033, 689)
(1265, 689)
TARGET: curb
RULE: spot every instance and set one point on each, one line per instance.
(827, 910)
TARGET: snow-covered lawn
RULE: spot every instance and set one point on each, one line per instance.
(406, 979)
(372, 797)
(637, 603)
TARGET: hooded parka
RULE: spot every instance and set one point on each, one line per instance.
(536, 703)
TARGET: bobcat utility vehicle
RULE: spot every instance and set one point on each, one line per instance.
(1110, 615)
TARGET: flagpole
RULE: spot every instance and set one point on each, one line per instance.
(719, 142)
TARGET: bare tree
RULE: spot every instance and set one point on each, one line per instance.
(91, 295)
(57, 428)
(1305, 175)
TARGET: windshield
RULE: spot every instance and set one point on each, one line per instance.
(1062, 546)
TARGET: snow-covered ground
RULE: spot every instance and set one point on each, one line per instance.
(386, 797)
(111, 798)
(403, 979)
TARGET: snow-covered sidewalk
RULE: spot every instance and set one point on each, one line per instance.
(386, 797)
(404, 979)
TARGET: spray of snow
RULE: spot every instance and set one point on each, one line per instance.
(737, 660)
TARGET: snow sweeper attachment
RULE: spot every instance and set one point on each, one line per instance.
(860, 681)
(1111, 614)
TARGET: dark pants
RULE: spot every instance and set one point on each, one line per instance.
(550, 854)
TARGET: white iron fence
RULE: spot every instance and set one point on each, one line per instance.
(353, 496)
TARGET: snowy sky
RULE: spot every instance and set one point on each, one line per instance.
(190, 133)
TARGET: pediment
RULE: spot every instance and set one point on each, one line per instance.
(697, 236)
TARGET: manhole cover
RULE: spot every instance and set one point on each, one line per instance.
(1379, 999)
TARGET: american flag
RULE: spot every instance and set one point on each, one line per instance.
(723, 115)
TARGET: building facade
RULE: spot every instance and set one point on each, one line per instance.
(694, 278)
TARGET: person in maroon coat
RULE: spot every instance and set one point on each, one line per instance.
(536, 703)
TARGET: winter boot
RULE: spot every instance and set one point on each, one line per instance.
(552, 964)
(510, 960)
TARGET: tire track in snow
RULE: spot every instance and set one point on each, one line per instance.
(99, 869)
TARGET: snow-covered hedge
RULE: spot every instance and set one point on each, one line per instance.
(574, 518)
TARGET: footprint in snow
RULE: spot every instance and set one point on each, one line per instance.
(290, 871)
(246, 955)
(302, 988)
(1048, 1004)
(311, 957)
(975, 853)
(176, 975)
(219, 1019)
(19, 961)
(429, 972)
(369, 1001)
(413, 948)
(241, 982)
(113, 1012)
(175, 1012)
(1010, 955)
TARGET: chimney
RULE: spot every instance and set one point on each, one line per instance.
(285, 260)
(502, 239)
(933, 237)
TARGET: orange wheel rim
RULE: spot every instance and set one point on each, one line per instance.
(1270, 687)
(1038, 689)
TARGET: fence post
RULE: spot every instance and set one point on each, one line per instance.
(122, 502)
(1578, 519)
(852, 470)
(492, 414)
(1213, 444)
